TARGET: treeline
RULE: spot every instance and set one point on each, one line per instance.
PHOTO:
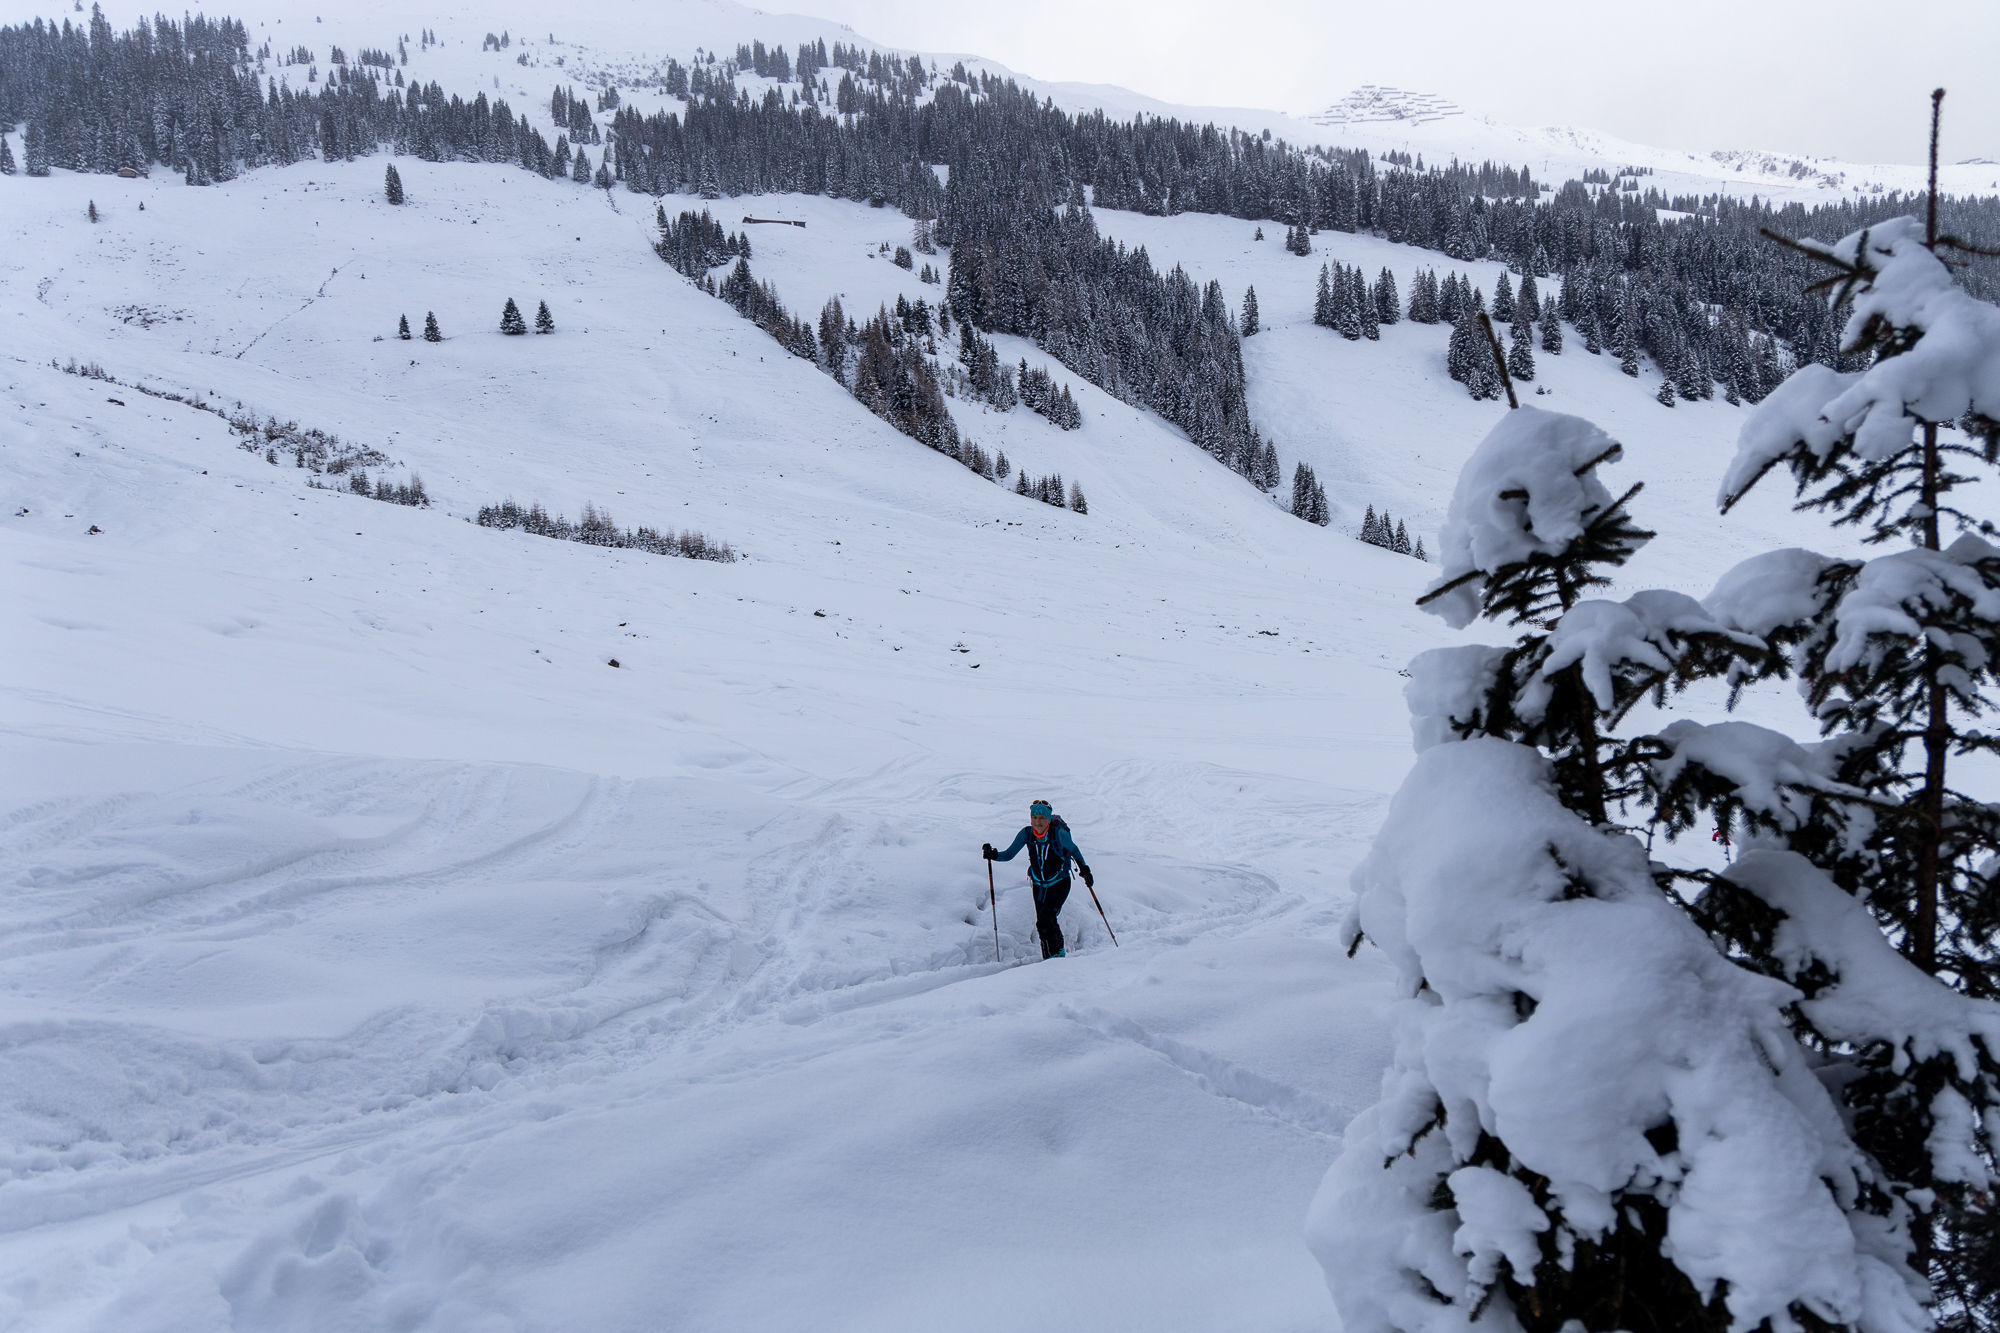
(596, 528)
(1389, 535)
(1309, 497)
(981, 375)
(189, 95)
(1351, 306)
(1049, 490)
(694, 243)
(409, 493)
(890, 363)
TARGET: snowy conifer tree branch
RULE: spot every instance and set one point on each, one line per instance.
(1551, 1141)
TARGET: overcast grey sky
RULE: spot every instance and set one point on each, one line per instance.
(1841, 78)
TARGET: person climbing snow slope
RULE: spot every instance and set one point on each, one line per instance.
(1050, 851)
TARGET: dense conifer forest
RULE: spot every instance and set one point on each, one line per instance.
(1711, 302)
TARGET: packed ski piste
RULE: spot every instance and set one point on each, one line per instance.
(534, 556)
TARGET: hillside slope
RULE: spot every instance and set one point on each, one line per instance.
(377, 955)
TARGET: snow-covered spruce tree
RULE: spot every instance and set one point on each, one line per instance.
(1521, 351)
(1249, 311)
(392, 185)
(403, 327)
(544, 321)
(1303, 483)
(1869, 848)
(1594, 1119)
(1388, 303)
(34, 149)
(511, 322)
(432, 334)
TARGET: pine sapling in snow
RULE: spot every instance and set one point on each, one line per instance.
(511, 322)
(1594, 1119)
(1874, 890)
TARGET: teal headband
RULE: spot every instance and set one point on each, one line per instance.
(1041, 809)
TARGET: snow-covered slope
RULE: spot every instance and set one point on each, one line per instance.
(376, 955)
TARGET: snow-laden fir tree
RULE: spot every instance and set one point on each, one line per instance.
(1521, 351)
(1453, 299)
(403, 327)
(1348, 298)
(1270, 475)
(544, 321)
(6, 157)
(432, 334)
(1527, 302)
(1503, 301)
(1469, 356)
(1594, 1120)
(1308, 496)
(1552, 329)
(34, 149)
(1873, 885)
(511, 322)
(1249, 311)
(1424, 297)
(392, 185)
(1388, 302)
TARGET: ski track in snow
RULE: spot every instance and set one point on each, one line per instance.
(373, 956)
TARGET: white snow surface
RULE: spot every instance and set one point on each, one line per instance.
(1772, 773)
(1635, 1018)
(1890, 591)
(1448, 687)
(1772, 590)
(1531, 488)
(1605, 637)
(374, 955)
(1877, 994)
(1953, 368)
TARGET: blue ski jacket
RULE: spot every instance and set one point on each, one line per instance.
(1048, 856)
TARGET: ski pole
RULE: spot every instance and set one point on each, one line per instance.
(993, 903)
(1100, 914)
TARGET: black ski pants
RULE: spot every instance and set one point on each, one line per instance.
(1048, 903)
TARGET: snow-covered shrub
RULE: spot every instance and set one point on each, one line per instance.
(1869, 832)
(1595, 1118)
(596, 528)
(1592, 1114)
